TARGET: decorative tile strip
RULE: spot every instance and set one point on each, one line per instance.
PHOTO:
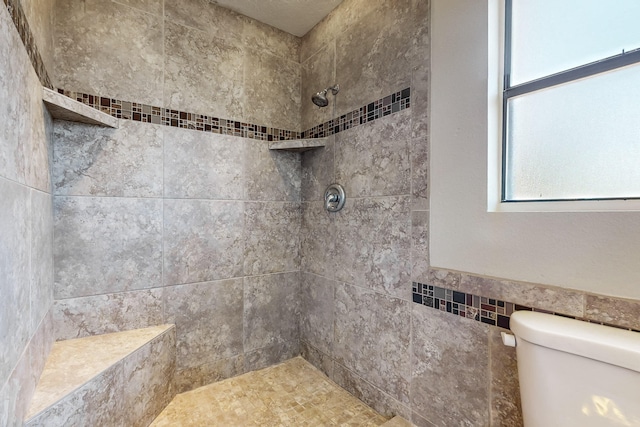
(368, 113)
(20, 21)
(491, 311)
(164, 116)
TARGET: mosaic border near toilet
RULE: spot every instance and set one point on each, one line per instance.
(491, 311)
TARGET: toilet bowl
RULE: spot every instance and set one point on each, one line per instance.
(576, 374)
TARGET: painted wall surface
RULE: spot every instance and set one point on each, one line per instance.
(26, 251)
(588, 251)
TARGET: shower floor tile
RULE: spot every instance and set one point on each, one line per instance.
(293, 393)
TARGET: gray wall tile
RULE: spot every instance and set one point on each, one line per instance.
(203, 240)
(105, 245)
(203, 165)
(317, 171)
(373, 159)
(41, 293)
(102, 314)
(272, 237)
(317, 298)
(317, 244)
(271, 311)
(272, 175)
(100, 59)
(506, 409)
(271, 355)
(96, 161)
(208, 372)
(318, 359)
(362, 317)
(617, 311)
(201, 73)
(419, 245)
(272, 91)
(450, 365)
(318, 73)
(208, 319)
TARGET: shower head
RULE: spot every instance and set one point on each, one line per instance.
(320, 98)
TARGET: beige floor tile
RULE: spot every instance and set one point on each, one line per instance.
(293, 393)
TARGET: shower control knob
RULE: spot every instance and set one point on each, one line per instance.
(334, 198)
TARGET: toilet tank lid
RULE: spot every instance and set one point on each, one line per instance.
(604, 343)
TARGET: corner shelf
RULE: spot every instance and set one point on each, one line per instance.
(298, 145)
(64, 108)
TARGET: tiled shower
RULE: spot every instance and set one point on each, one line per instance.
(184, 216)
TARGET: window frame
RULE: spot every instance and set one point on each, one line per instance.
(573, 74)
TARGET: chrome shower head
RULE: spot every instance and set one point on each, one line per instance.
(320, 98)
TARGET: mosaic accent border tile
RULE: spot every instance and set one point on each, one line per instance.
(20, 21)
(164, 116)
(491, 311)
(380, 108)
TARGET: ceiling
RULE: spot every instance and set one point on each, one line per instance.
(296, 17)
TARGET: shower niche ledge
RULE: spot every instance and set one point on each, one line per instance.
(64, 108)
(298, 145)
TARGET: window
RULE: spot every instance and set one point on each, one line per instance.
(571, 100)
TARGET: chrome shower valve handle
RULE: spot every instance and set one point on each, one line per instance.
(334, 198)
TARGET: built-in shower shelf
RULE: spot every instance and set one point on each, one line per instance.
(298, 145)
(64, 108)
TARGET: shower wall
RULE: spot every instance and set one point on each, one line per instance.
(159, 224)
(26, 251)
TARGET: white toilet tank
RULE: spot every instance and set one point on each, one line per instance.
(576, 374)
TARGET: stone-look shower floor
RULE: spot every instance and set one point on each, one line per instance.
(293, 393)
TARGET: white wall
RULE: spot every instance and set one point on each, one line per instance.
(592, 251)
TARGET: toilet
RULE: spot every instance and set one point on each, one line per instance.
(575, 374)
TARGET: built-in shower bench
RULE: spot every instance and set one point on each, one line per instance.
(122, 378)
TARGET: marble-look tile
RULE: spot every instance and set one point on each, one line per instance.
(538, 296)
(272, 91)
(40, 16)
(373, 244)
(361, 319)
(347, 14)
(368, 393)
(318, 73)
(15, 325)
(505, 390)
(110, 49)
(20, 387)
(102, 314)
(317, 242)
(14, 118)
(104, 245)
(270, 39)
(419, 245)
(272, 237)
(419, 421)
(317, 171)
(398, 421)
(208, 319)
(187, 379)
(271, 310)
(36, 140)
(272, 175)
(148, 375)
(41, 272)
(321, 361)
(420, 173)
(373, 56)
(271, 355)
(97, 161)
(203, 240)
(616, 311)
(203, 165)
(99, 402)
(373, 159)
(450, 361)
(202, 73)
(317, 299)
(443, 278)
(149, 6)
(206, 16)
